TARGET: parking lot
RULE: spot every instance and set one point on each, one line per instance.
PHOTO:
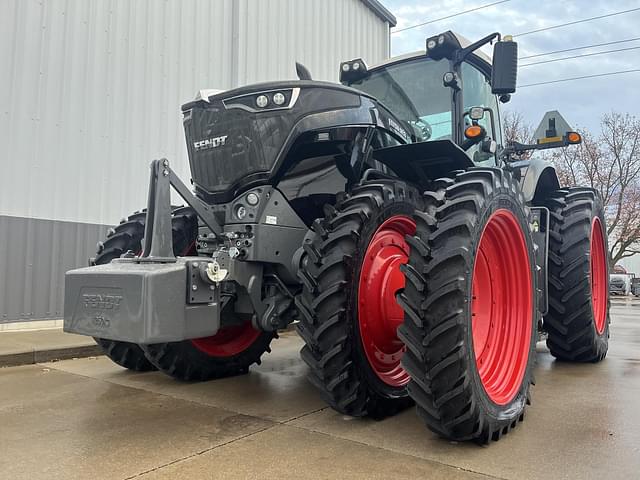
(88, 418)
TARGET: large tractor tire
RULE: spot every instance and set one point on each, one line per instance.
(577, 322)
(471, 309)
(350, 271)
(126, 236)
(230, 352)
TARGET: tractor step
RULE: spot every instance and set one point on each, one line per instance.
(141, 302)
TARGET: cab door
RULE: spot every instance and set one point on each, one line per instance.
(476, 92)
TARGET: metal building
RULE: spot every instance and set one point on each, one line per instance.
(90, 93)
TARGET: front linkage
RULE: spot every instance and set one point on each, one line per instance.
(158, 297)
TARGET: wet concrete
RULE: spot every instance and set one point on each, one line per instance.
(89, 418)
(35, 346)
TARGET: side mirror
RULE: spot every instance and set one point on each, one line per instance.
(553, 132)
(504, 71)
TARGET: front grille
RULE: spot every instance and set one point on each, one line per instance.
(226, 146)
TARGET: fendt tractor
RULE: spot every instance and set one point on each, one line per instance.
(418, 252)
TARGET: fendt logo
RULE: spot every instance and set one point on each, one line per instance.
(214, 142)
(102, 302)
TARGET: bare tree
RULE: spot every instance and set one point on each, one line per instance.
(517, 129)
(610, 163)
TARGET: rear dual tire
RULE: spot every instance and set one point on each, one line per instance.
(577, 322)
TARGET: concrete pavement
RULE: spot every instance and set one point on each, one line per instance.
(88, 418)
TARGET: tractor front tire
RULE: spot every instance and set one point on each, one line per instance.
(230, 352)
(471, 309)
(577, 322)
(350, 272)
(126, 236)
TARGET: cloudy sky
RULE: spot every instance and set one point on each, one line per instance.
(582, 102)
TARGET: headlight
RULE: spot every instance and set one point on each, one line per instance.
(265, 101)
(262, 101)
(279, 98)
(353, 70)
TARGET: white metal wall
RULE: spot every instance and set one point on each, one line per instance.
(318, 33)
(90, 90)
(90, 93)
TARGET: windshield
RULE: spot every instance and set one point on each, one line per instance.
(414, 92)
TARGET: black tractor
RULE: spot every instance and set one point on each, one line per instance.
(419, 254)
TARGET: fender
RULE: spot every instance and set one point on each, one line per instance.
(419, 163)
(538, 180)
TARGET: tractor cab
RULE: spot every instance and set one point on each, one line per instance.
(448, 96)
(450, 91)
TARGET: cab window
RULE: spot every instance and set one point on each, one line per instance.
(414, 92)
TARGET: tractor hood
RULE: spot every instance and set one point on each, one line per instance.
(240, 136)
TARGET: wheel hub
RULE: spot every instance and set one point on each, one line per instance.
(598, 275)
(229, 341)
(501, 307)
(379, 314)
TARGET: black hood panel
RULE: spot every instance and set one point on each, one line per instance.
(230, 138)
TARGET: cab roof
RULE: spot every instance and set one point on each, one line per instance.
(464, 42)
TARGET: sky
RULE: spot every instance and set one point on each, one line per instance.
(581, 102)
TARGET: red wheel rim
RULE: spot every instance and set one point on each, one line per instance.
(501, 307)
(379, 314)
(598, 275)
(229, 341)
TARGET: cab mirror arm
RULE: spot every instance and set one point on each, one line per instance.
(571, 138)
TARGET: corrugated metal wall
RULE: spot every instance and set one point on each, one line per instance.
(91, 89)
(90, 93)
(39, 252)
(318, 33)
